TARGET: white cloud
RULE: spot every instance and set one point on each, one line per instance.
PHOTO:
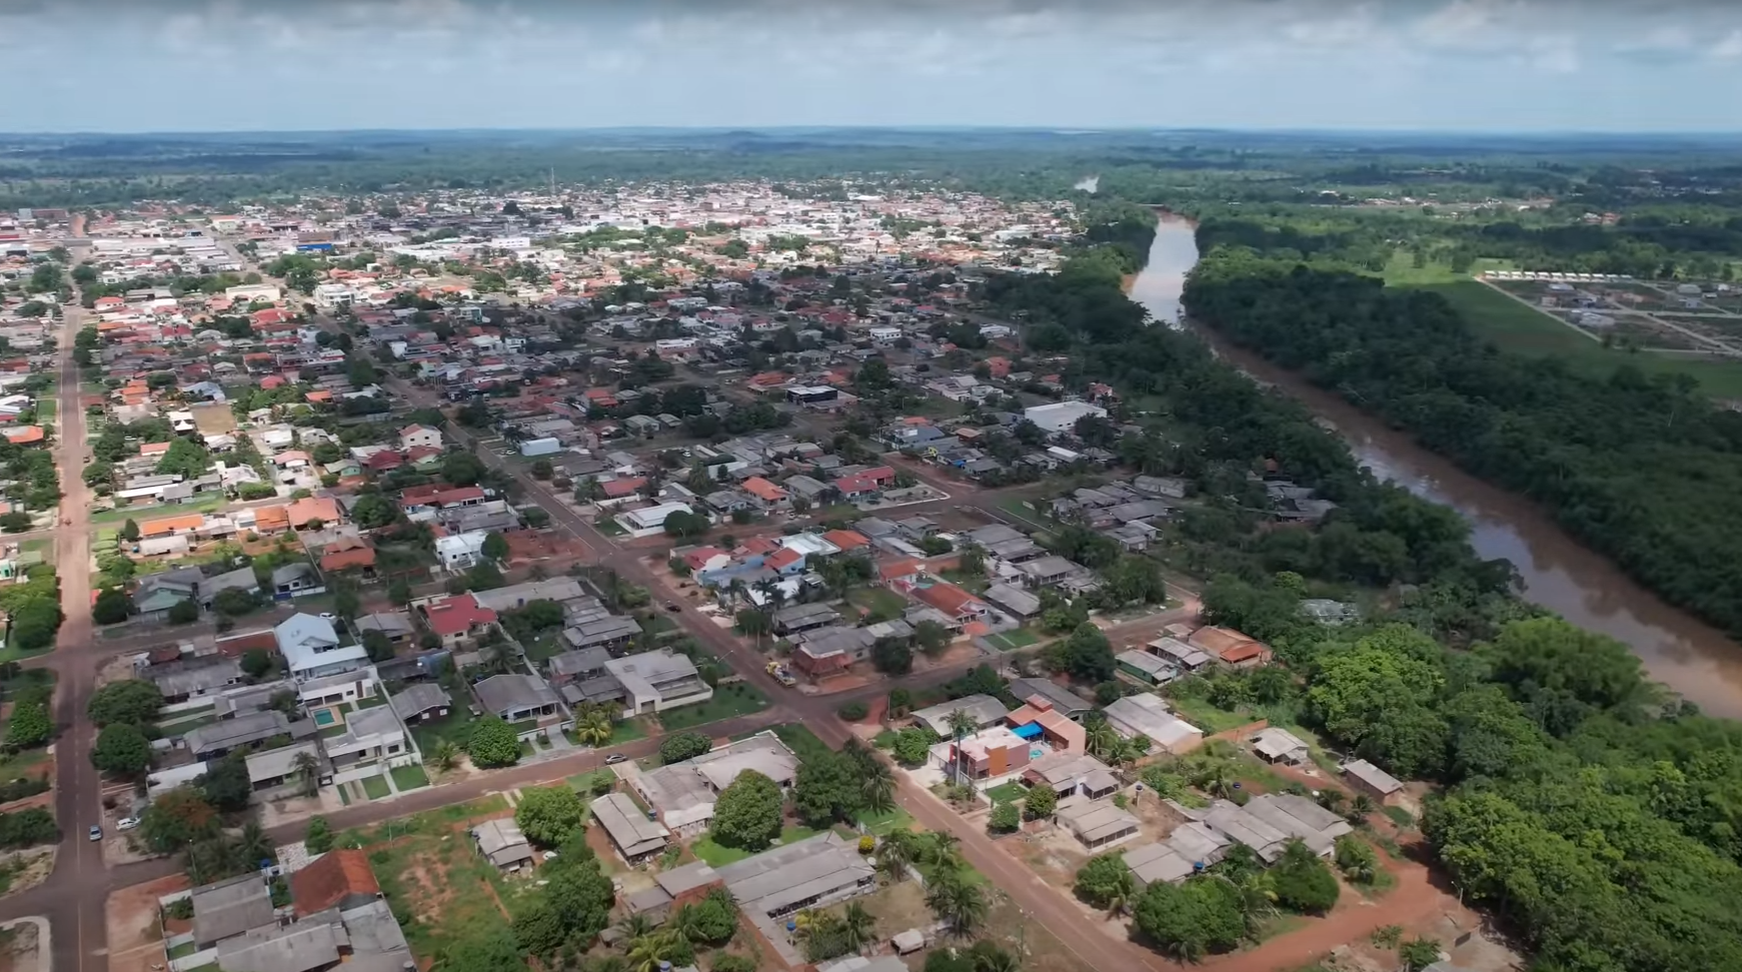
(1730, 48)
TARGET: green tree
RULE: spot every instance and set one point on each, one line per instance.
(932, 638)
(892, 656)
(112, 606)
(132, 700)
(1356, 859)
(225, 783)
(319, 838)
(176, 819)
(1418, 953)
(1041, 802)
(1302, 882)
(121, 749)
(463, 469)
(493, 743)
(683, 745)
(958, 904)
(130, 531)
(29, 726)
(1004, 818)
(184, 612)
(1086, 655)
(550, 815)
(496, 546)
(1193, 919)
(747, 813)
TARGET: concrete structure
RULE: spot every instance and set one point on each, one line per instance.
(1061, 416)
(312, 648)
(1147, 715)
(1072, 773)
(228, 908)
(985, 709)
(683, 794)
(502, 843)
(1372, 780)
(1280, 746)
(654, 681)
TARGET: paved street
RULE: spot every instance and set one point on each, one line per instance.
(73, 896)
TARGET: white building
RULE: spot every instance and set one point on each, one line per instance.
(650, 520)
(311, 648)
(461, 551)
(654, 681)
(1061, 416)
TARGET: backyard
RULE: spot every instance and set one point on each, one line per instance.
(882, 603)
(719, 856)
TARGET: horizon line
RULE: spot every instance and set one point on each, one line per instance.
(1066, 132)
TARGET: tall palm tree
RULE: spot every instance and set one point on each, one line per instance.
(252, 845)
(858, 928)
(1257, 898)
(594, 728)
(444, 756)
(943, 851)
(1361, 807)
(308, 773)
(878, 787)
(988, 957)
(961, 724)
(1101, 739)
(958, 904)
(896, 852)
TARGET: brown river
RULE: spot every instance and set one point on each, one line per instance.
(1558, 573)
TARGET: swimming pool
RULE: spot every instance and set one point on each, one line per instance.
(325, 717)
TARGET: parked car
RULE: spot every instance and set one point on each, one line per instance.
(615, 758)
(96, 832)
(126, 823)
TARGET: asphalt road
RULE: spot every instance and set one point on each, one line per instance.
(73, 897)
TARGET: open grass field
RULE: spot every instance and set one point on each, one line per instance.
(731, 700)
(1012, 640)
(717, 856)
(1521, 329)
(883, 603)
(431, 874)
(455, 728)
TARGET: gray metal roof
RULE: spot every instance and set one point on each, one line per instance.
(418, 698)
(775, 881)
(309, 944)
(628, 826)
(507, 693)
(230, 733)
(230, 907)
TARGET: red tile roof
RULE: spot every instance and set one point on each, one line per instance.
(948, 598)
(784, 557)
(619, 488)
(764, 490)
(337, 875)
(456, 615)
(846, 539)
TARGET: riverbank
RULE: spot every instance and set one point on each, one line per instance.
(1554, 570)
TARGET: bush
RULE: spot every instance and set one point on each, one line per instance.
(1303, 882)
(493, 743)
(854, 711)
(682, 746)
(1005, 818)
(27, 828)
(184, 612)
(181, 909)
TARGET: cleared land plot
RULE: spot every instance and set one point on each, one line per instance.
(430, 871)
(1515, 327)
(883, 603)
(454, 728)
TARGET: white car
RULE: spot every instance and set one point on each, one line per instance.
(615, 758)
(126, 823)
(329, 616)
(96, 832)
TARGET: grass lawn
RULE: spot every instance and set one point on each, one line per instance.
(882, 602)
(1014, 507)
(1207, 717)
(20, 764)
(628, 731)
(409, 777)
(546, 645)
(970, 875)
(839, 511)
(730, 700)
(1399, 816)
(176, 723)
(139, 514)
(611, 528)
(1517, 327)
(799, 739)
(15, 653)
(372, 701)
(1012, 640)
(887, 822)
(455, 728)
(183, 950)
(583, 782)
(45, 411)
(1006, 793)
(376, 787)
(718, 856)
(336, 729)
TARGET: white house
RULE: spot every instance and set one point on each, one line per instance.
(419, 436)
(461, 551)
(311, 648)
(654, 681)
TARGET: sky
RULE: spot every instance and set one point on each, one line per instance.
(1459, 65)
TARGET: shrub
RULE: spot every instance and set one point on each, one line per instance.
(854, 711)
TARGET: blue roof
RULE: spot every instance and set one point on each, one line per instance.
(1029, 730)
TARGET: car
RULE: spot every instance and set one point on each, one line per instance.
(329, 616)
(126, 823)
(550, 855)
(673, 606)
(615, 758)
(96, 832)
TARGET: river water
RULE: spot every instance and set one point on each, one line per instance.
(1558, 573)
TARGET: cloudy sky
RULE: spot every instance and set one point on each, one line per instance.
(1497, 65)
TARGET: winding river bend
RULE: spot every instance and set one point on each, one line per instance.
(1558, 573)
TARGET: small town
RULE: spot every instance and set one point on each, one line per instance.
(480, 493)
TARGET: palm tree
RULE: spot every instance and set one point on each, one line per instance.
(1257, 898)
(858, 928)
(635, 926)
(253, 846)
(878, 787)
(988, 957)
(1120, 895)
(896, 852)
(1101, 739)
(958, 904)
(646, 952)
(961, 723)
(1361, 807)
(308, 773)
(1215, 778)
(444, 757)
(1330, 799)
(594, 728)
(943, 852)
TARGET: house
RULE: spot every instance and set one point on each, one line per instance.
(1067, 773)
(1096, 824)
(311, 648)
(313, 512)
(517, 698)
(283, 766)
(1063, 701)
(157, 593)
(424, 700)
(241, 579)
(419, 437)
(1013, 600)
(1372, 780)
(1037, 720)
(348, 553)
(371, 736)
(296, 580)
(1267, 824)
(804, 617)
(461, 551)
(1047, 571)
(502, 843)
(572, 666)
(1145, 667)
(216, 739)
(683, 794)
(457, 620)
(395, 626)
(635, 837)
(1191, 847)
(990, 755)
(767, 495)
(228, 908)
(1061, 417)
(954, 603)
(1181, 655)
(984, 709)
(339, 879)
(1230, 647)
(1148, 716)
(658, 680)
(1280, 746)
(811, 873)
(193, 676)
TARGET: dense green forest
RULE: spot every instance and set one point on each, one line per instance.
(1643, 470)
(1597, 818)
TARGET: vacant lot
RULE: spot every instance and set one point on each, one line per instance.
(731, 700)
(440, 888)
